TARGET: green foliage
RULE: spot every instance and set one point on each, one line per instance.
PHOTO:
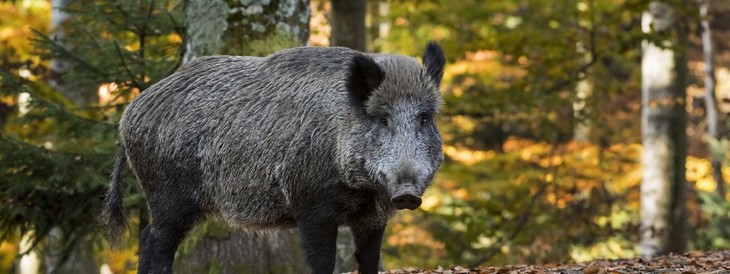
(139, 41)
(58, 195)
(513, 72)
(719, 148)
(714, 233)
(516, 63)
(716, 216)
(58, 143)
(534, 202)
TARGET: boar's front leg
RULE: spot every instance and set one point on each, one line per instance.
(368, 239)
(319, 241)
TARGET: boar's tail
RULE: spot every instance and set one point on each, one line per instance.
(113, 215)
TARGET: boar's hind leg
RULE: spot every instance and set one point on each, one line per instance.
(319, 241)
(169, 226)
(145, 258)
(368, 239)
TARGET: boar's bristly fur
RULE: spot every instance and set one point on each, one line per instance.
(313, 138)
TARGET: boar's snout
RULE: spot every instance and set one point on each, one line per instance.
(406, 197)
(408, 201)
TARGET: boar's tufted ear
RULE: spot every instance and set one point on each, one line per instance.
(434, 61)
(364, 77)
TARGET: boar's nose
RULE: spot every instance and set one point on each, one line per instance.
(405, 200)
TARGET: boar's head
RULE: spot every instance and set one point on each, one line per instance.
(392, 142)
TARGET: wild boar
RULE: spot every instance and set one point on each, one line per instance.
(314, 138)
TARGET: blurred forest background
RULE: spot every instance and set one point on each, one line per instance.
(574, 129)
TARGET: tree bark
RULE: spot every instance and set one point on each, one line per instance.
(255, 27)
(664, 120)
(58, 16)
(29, 263)
(260, 27)
(205, 23)
(82, 97)
(379, 27)
(711, 110)
(348, 24)
(584, 90)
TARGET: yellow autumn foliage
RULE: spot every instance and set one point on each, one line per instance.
(576, 173)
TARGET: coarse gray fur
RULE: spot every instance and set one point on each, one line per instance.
(309, 137)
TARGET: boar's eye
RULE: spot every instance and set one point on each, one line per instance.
(423, 119)
(383, 121)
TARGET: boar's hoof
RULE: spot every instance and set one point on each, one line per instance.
(408, 201)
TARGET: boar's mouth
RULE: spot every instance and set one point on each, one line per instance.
(406, 197)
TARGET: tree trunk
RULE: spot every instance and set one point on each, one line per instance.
(205, 23)
(584, 90)
(711, 109)
(260, 27)
(378, 26)
(58, 67)
(57, 18)
(254, 27)
(257, 27)
(664, 120)
(348, 24)
(29, 263)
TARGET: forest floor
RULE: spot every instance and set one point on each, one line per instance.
(695, 262)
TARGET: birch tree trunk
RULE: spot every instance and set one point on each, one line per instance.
(29, 263)
(254, 27)
(378, 24)
(584, 90)
(663, 123)
(711, 110)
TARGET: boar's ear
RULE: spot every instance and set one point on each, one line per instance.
(364, 77)
(434, 61)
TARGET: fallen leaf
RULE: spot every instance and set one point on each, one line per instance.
(593, 269)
